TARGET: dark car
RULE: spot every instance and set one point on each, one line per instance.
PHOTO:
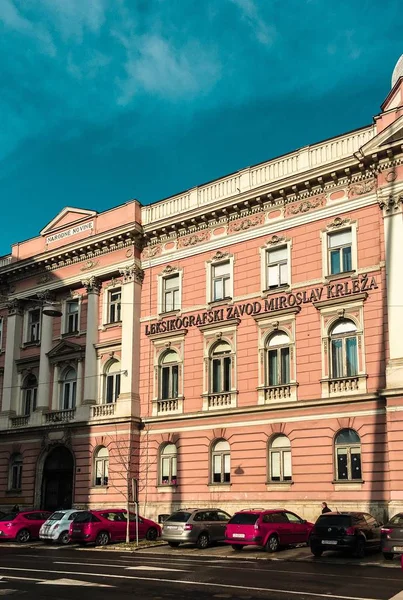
(269, 529)
(392, 537)
(354, 532)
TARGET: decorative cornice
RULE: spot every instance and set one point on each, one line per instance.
(14, 308)
(391, 203)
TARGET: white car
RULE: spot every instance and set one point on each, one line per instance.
(56, 528)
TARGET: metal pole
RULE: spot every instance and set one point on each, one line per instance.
(136, 504)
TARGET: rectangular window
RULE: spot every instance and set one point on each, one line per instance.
(115, 306)
(221, 281)
(34, 324)
(277, 270)
(217, 385)
(337, 358)
(170, 293)
(101, 472)
(340, 252)
(356, 463)
(342, 466)
(112, 387)
(275, 471)
(16, 476)
(30, 400)
(169, 382)
(273, 367)
(227, 468)
(351, 356)
(287, 473)
(72, 316)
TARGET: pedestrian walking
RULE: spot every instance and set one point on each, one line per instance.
(325, 508)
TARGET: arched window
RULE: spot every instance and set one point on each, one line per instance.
(280, 459)
(101, 466)
(221, 462)
(221, 368)
(112, 382)
(168, 463)
(169, 375)
(278, 359)
(69, 389)
(29, 394)
(348, 455)
(15, 472)
(343, 349)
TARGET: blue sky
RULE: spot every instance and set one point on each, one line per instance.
(107, 100)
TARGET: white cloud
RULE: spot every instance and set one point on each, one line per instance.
(12, 18)
(264, 33)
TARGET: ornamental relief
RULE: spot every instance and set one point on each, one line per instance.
(305, 206)
(194, 239)
(361, 187)
(246, 223)
(151, 251)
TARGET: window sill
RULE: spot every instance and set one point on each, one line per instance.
(343, 275)
(111, 325)
(278, 485)
(169, 313)
(277, 290)
(167, 489)
(103, 489)
(220, 302)
(17, 492)
(347, 485)
(67, 334)
(219, 487)
(31, 344)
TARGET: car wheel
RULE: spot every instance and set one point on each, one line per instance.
(237, 547)
(102, 539)
(272, 544)
(64, 538)
(203, 541)
(317, 551)
(174, 544)
(388, 555)
(151, 534)
(359, 551)
(23, 536)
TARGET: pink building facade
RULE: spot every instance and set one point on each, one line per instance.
(238, 345)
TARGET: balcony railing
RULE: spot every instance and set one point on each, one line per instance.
(168, 406)
(278, 393)
(217, 401)
(344, 385)
(60, 416)
(102, 410)
(19, 421)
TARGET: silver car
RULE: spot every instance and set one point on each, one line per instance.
(200, 526)
(56, 528)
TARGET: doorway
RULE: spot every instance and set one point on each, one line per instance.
(57, 479)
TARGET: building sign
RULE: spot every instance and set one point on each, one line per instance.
(288, 300)
(70, 232)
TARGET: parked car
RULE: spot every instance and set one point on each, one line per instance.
(346, 531)
(56, 528)
(392, 537)
(22, 526)
(199, 526)
(109, 525)
(269, 529)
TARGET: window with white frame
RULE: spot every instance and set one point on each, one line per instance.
(34, 325)
(170, 292)
(168, 465)
(15, 472)
(278, 359)
(340, 257)
(221, 288)
(220, 462)
(72, 316)
(29, 394)
(347, 445)
(112, 382)
(69, 389)
(277, 267)
(115, 305)
(169, 375)
(220, 368)
(101, 467)
(343, 349)
(280, 459)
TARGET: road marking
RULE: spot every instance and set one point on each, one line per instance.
(148, 568)
(73, 582)
(5, 592)
(195, 584)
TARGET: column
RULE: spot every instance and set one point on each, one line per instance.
(92, 286)
(44, 365)
(55, 390)
(13, 342)
(393, 227)
(79, 394)
(130, 361)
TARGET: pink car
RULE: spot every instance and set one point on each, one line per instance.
(22, 526)
(269, 529)
(109, 525)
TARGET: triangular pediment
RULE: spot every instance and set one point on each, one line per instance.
(68, 216)
(390, 136)
(65, 348)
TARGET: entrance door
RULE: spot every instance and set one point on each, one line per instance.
(57, 482)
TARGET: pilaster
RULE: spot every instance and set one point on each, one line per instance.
(44, 365)
(93, 287)
(10, 377)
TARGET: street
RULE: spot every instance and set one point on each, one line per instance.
(41, 572)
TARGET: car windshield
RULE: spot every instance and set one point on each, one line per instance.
(180, 517)
(85, 517)
(9, 517)
(334, 521)
(244, 519)
(397, 520)
(56, 516)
